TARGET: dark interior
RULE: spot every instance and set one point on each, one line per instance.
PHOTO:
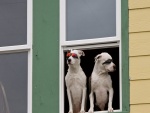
(87, 64)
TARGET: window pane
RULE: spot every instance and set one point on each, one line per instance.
(13, 76)
(87, 19)
(13, 22)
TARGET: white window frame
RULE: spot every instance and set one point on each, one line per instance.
(94, 43)
(25, 48)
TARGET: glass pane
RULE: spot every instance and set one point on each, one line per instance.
(13, 77)
(13, 22)
(87, 19)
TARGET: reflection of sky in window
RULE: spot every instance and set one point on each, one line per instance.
(13, 22)
(13, 76)
(88, 19)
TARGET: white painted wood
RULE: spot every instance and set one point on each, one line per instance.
(29, 22)
(29, 43)
(61, 81)
(29, 81)
(106, 111)
(62, 21)
(89, 47)
(12, 49)
(120, 74)
(90, 41)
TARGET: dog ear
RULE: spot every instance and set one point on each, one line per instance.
(97, 57)
(81, 53)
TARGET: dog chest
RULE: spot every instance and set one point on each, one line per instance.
(75, 81)
(99, 82)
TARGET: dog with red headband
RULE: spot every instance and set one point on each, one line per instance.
(75, 82)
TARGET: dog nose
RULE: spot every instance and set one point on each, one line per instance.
(69, 60)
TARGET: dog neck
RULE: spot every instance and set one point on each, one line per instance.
(98, 70)
(74, 68)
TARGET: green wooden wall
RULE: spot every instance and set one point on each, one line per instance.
(125, 55)
(45, 56)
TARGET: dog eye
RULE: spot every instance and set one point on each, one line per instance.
(74, 55)
(68, 55)
(108, 61)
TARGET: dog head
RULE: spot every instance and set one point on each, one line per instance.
(73, 56)
(105, 62)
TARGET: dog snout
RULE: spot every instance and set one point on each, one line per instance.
(69, 60)
(114, 67)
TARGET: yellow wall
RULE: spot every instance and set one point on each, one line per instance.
(139, 52)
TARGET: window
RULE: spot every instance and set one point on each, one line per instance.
(16, 56)
(94, 27)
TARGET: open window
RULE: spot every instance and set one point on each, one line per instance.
(93, 26)
(87, 64)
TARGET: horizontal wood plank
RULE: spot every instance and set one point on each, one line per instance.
(139, 44)
(139, 67)
(139, 92)
(133, 4)
(139, 20)
(141, 108)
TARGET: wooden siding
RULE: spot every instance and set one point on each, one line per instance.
(139, 43)
(45, 56)
(139, 68)
(134, 4)
(139, 55)
(139, 92)
(144, 108)
(139, 20)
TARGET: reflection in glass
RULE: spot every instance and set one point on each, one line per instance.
(87, 19)
(4, 108)
(14, 76)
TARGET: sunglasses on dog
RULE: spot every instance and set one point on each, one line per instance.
(72, 54)
(108, 61)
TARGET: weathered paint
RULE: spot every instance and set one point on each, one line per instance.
(139, 49)
(45, 56)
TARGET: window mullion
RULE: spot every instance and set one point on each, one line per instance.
(12, 49)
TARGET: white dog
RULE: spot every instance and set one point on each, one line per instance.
(75, 82)
(101, 82)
